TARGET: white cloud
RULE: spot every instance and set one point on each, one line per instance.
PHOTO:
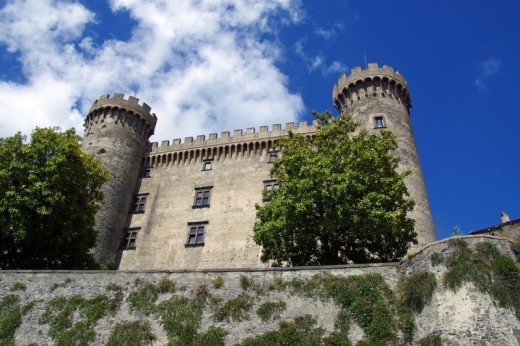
(201, 66)
(318, 62)
(485, 70)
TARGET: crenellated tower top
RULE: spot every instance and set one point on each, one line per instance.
(131, 106)
(374, 81)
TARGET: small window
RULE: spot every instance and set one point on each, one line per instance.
(379, 122)
(131, 238)
(206, 166)
(196, 232)
(202, 196)
(146, 172)
(139, 203)
(273, 156)
(268, 187)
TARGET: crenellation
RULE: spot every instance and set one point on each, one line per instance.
(239, 136)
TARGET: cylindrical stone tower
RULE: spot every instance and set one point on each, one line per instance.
(378, 98)
(117, 132)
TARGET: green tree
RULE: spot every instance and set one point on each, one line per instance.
(49, 194)
(340, 199)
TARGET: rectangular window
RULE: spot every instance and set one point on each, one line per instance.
(273, 155)
(131, 238)
(146, 172)
(269, 186)
(139, 203)
(202, 196)
(196, 232)
(206, 166)
(379, 122)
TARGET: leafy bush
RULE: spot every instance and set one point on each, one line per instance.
(271, 310)
(166, 286)
(218, 282)
(131, 333)
(491, 272)
(18, 286)
(245, 282)
(236, 309)
(180, 318)
(430, 340)
(10, 318)
(301, 332)
(143, 298)
(214, 336)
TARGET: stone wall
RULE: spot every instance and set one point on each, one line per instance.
(463, 317)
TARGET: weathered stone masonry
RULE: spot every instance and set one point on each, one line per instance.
(153, 221)
(465, 317)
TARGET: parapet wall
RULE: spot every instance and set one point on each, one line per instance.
(238, 136)
(465, 317)
(131, 105)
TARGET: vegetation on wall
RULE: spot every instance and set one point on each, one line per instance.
(386, 316)
(490, 271)
(49, 194)
(340, 199)
(59, 314)
(131, 333)
(11, 313)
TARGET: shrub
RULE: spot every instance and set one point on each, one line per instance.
(245, 282)
(271, 310)
(430, 340)
(299, 332)
(10, 318)
(436, 259)
(18, 286)
(218, 282)
(214, 336)
(131, 333)
(180, 318)
(236, 309)
(166, 286)
(143, 298)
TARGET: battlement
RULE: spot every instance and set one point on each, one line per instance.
(372, 81)
(132, 104)
(373, 70)
(238, 136)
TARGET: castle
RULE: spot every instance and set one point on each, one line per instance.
(191, 204)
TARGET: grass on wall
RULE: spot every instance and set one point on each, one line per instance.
(271, 310)
(11, 313)
(490, 271)
(59, 313)
(131, 333)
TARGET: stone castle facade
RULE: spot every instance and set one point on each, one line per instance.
(191, 204)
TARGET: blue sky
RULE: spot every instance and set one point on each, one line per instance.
(209, 66)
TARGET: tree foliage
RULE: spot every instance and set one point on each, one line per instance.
(49, 194)
(340, 199)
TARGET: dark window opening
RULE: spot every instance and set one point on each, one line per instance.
(196, 232)
(139, 203)
(206, 166)
(269, 186)
(202, 196)
(131, 238)
(379, 122)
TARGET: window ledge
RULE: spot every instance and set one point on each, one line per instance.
(200, 206)
(193, 245)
